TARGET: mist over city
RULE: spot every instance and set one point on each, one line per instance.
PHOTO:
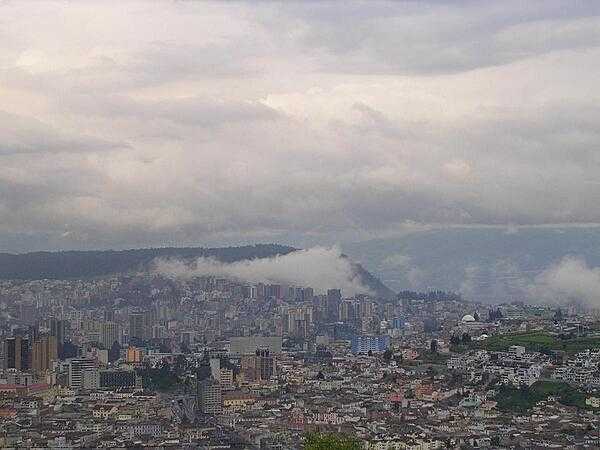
(300, 225)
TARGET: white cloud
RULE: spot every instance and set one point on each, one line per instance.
(319, 267)
(569, 280)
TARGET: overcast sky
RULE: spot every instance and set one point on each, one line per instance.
(128, 124)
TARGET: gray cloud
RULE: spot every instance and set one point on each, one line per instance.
(20, 135)
(191, 111)
(188, 123)
(437, 37)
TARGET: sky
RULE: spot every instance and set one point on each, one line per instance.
(126, 124)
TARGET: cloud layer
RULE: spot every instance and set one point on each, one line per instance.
(319, 267)
(206, 123)
(570, 280)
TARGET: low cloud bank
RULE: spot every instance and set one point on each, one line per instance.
(321, 268)
(570, 280)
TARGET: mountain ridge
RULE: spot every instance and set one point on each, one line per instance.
(74, 264)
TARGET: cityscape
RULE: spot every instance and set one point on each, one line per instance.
(300, 225)
(206, 362)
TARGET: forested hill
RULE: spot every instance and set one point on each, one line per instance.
(86, 264)
(89, 264)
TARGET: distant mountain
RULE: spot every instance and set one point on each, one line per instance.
(487, 264)
(372, 282)
(89, 264)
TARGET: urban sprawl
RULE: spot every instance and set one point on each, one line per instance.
(211, 363)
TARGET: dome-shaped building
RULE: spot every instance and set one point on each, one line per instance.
(468, 318)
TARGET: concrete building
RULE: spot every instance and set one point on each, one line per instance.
(363, 343)
(249, 344)
(109, 334)
(77, 369)
(44, 352)
(16, 351)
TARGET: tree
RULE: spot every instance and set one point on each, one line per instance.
(466, 338)
(558, 315)
(398, 358)
(388, 354)
(476, 316)
(68, 350)
(433, 347)
(330, 441)
(115, 352)
(431, 372)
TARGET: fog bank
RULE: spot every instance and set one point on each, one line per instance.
(321, 268)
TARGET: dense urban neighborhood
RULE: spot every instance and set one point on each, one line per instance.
(205, 362)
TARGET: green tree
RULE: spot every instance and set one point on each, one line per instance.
(388, 354)
(433, 347)
(330, 441)
(114, 352)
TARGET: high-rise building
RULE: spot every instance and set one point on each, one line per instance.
(364, 343)
(134, 355)
(334, 298)
(299, 321)
(138, 326)
(261, 291)
(274, 291)
(208, 390)
(109, 334)
(109, 315)
(264, 365)
(347, 311)
(159, 332)
(43, 352)
(258, 367)
(307, 294)
(77, 372)
(209, 397)
(58, 329)
(17, 353)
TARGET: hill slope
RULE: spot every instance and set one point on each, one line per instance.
(89, 264)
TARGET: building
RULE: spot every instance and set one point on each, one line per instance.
(77, 369)
(347, 311)
(334, 298)
(238, 401)
(208, 390)
(44, 352)
(209, 399)
(114, 379)
(364, 343)
(249, 344)
(274, 291)
(134, 355)
(397, 323)
(258, 367)
(109, 334)
(16, 351)
(138, 327)
(59, 329)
